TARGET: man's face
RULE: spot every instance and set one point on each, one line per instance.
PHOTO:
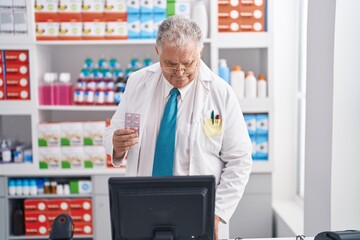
(179, 65)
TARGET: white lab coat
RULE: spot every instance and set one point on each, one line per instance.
(226, 154)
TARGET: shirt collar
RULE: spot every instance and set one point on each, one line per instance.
(183, 91)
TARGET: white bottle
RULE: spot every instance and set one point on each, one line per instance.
(199, 15)
(261, 87)
(250, 85)
(237, 81)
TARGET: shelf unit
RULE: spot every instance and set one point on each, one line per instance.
(253, 51)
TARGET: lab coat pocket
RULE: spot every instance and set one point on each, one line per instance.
(212, 127)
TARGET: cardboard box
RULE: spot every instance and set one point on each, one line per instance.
(35, 217)
(37, 229)
(49, 158)
(17, 93)
(94, 157)
(81, 216)
(115, 10)
(93, 132)
(16, 56)
(47, 30)
(116, 30)
(70, 30)
(133, 26)
(20, 22)
(72, 158)
(93, 30)
(17, 81)
(146, 26)
(17, 68)
(35, 205)
(49, 134)
(83, 229)
(71, 134)
(58, 205)
(6, 22)
(133, 6)
(80, 204)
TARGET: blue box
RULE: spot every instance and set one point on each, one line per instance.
(133, 6)
(133, 26)
(262, 124)
(160, 6)
(250, 120)
(146, 26)
(262, 151)
(253, 143)
(147, 6)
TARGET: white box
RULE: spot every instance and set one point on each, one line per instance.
(72, 157)
(20, 22)
(49, 134)
(50, 158)
(6, 22)
(93, 29)
(146, 6)
(183, 8)
(47, 29)
(93, 133)
(94, 157)
(116, 6)
(71, 134)
(146, 26)
(50, 6)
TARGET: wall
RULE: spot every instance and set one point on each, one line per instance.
(345, 181)
(332, 181)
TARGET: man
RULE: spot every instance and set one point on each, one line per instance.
(209, 136)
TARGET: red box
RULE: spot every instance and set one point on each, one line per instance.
(2, 69)
(36, 217)
(2, 81)
(51, 215)
(83, 229)
(17, 68)
(83, 204)
(17, 93)
(17, 80)
(59, 205)
(18, 56)
(2, 93)
(81, 216)
(1, 56)
(38, 205)
(37, 229)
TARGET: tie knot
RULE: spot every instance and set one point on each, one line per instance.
(175, 92)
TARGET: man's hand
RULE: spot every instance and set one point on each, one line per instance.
(123, 140)
(216, 227)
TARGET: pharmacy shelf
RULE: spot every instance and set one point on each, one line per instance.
(24, 169)
(260, 166)
(243, 40)
(256, 105)
(102, 42)
(47, 237)
(17, 107)
(77, 108)
(42, 196)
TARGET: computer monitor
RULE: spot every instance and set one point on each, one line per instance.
(178, 207)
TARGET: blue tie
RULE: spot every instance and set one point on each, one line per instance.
(165, 145)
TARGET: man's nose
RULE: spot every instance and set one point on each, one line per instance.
(179, 71)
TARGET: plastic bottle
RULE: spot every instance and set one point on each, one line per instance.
(250, 85)
(17, 222)
(5, 152)
(11, 187)
(26, 187)
(64, 90)
(199, 15)
(47, 89)
(18, 187)
(261, 86)
(237, 77)
(33, 187)
(224, 71)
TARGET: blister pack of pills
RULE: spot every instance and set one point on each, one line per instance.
(132, 120)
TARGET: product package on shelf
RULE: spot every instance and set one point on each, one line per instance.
(14, 75)
(241, 16)
(258, 128)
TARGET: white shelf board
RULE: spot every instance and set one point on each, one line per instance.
(102, 42)
(52, 196)
(255, 105)
(243, 40)
(15, 40)
(261, 166)
(46, 237)
(16, 107)
(26, 169)
(78, 108)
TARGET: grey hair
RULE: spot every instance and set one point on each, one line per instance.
(179, 31)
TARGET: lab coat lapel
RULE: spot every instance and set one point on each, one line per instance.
(202, 94)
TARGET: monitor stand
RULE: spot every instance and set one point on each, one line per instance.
(164, 235)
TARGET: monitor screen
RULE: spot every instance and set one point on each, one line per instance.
(177, 207)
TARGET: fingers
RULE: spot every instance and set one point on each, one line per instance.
(124, 139)
(216, 227)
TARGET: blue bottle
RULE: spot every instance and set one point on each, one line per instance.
(224, 71)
